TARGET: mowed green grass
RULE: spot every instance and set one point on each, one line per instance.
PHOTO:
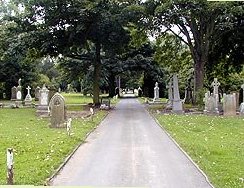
(76, 98)
(215, 143)
(39, 150)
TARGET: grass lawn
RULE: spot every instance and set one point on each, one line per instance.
(39, 150)
(142, 99)
(77, 98)
(215, 143)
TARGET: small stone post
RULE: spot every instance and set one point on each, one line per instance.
(69, 126)
(10, 162)
(92, 113)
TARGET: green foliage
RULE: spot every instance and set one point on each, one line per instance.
(200, 94)
(213, 142)
(197, 29)
(176, 61)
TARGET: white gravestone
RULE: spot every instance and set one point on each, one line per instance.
(156, 92)
(206, 101)
(18, 89)
(215, 84)
(28, 98)
(44, 94)
(19, 95)
(42, 107)
(18, 101)
(177, 103)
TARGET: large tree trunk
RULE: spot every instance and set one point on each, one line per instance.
(199, 71)
(96, 75)
(111, 80)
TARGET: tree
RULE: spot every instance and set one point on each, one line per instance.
(196, 22)
(67, 27)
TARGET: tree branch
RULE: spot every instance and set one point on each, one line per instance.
(177, 35)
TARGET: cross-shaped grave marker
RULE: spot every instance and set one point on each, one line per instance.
(215, 85)
(28, 90)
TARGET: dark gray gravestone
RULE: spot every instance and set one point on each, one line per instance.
(57, 111)
(139, 92)
(13, 93)
(37, 93)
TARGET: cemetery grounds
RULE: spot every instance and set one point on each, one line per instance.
(214, 143)
(38, 149)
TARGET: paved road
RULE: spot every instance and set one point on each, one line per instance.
(129, 149)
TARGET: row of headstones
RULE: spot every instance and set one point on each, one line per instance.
(230, 101)
(55, 108)
(174, 100)
(16, 94)
(212, 104)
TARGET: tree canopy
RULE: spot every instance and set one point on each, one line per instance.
(64, 41)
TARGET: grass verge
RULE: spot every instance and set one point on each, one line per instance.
(215, 143)
(39, 150)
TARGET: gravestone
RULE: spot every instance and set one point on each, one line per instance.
(37, 93)
(170, 94)
(177, 103)
(105, 104)
(211, 103)
(18, 101)
(57, 111)
(139, 92)
(117, 91)
(229, 104)
(242, 87)
(188, 94)
(156, 93)
(19, 91)
(42, 107)
(28, 98)
(215, 84)
(206, 102)
(242, 109)
(13, 93)
(237, 100)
